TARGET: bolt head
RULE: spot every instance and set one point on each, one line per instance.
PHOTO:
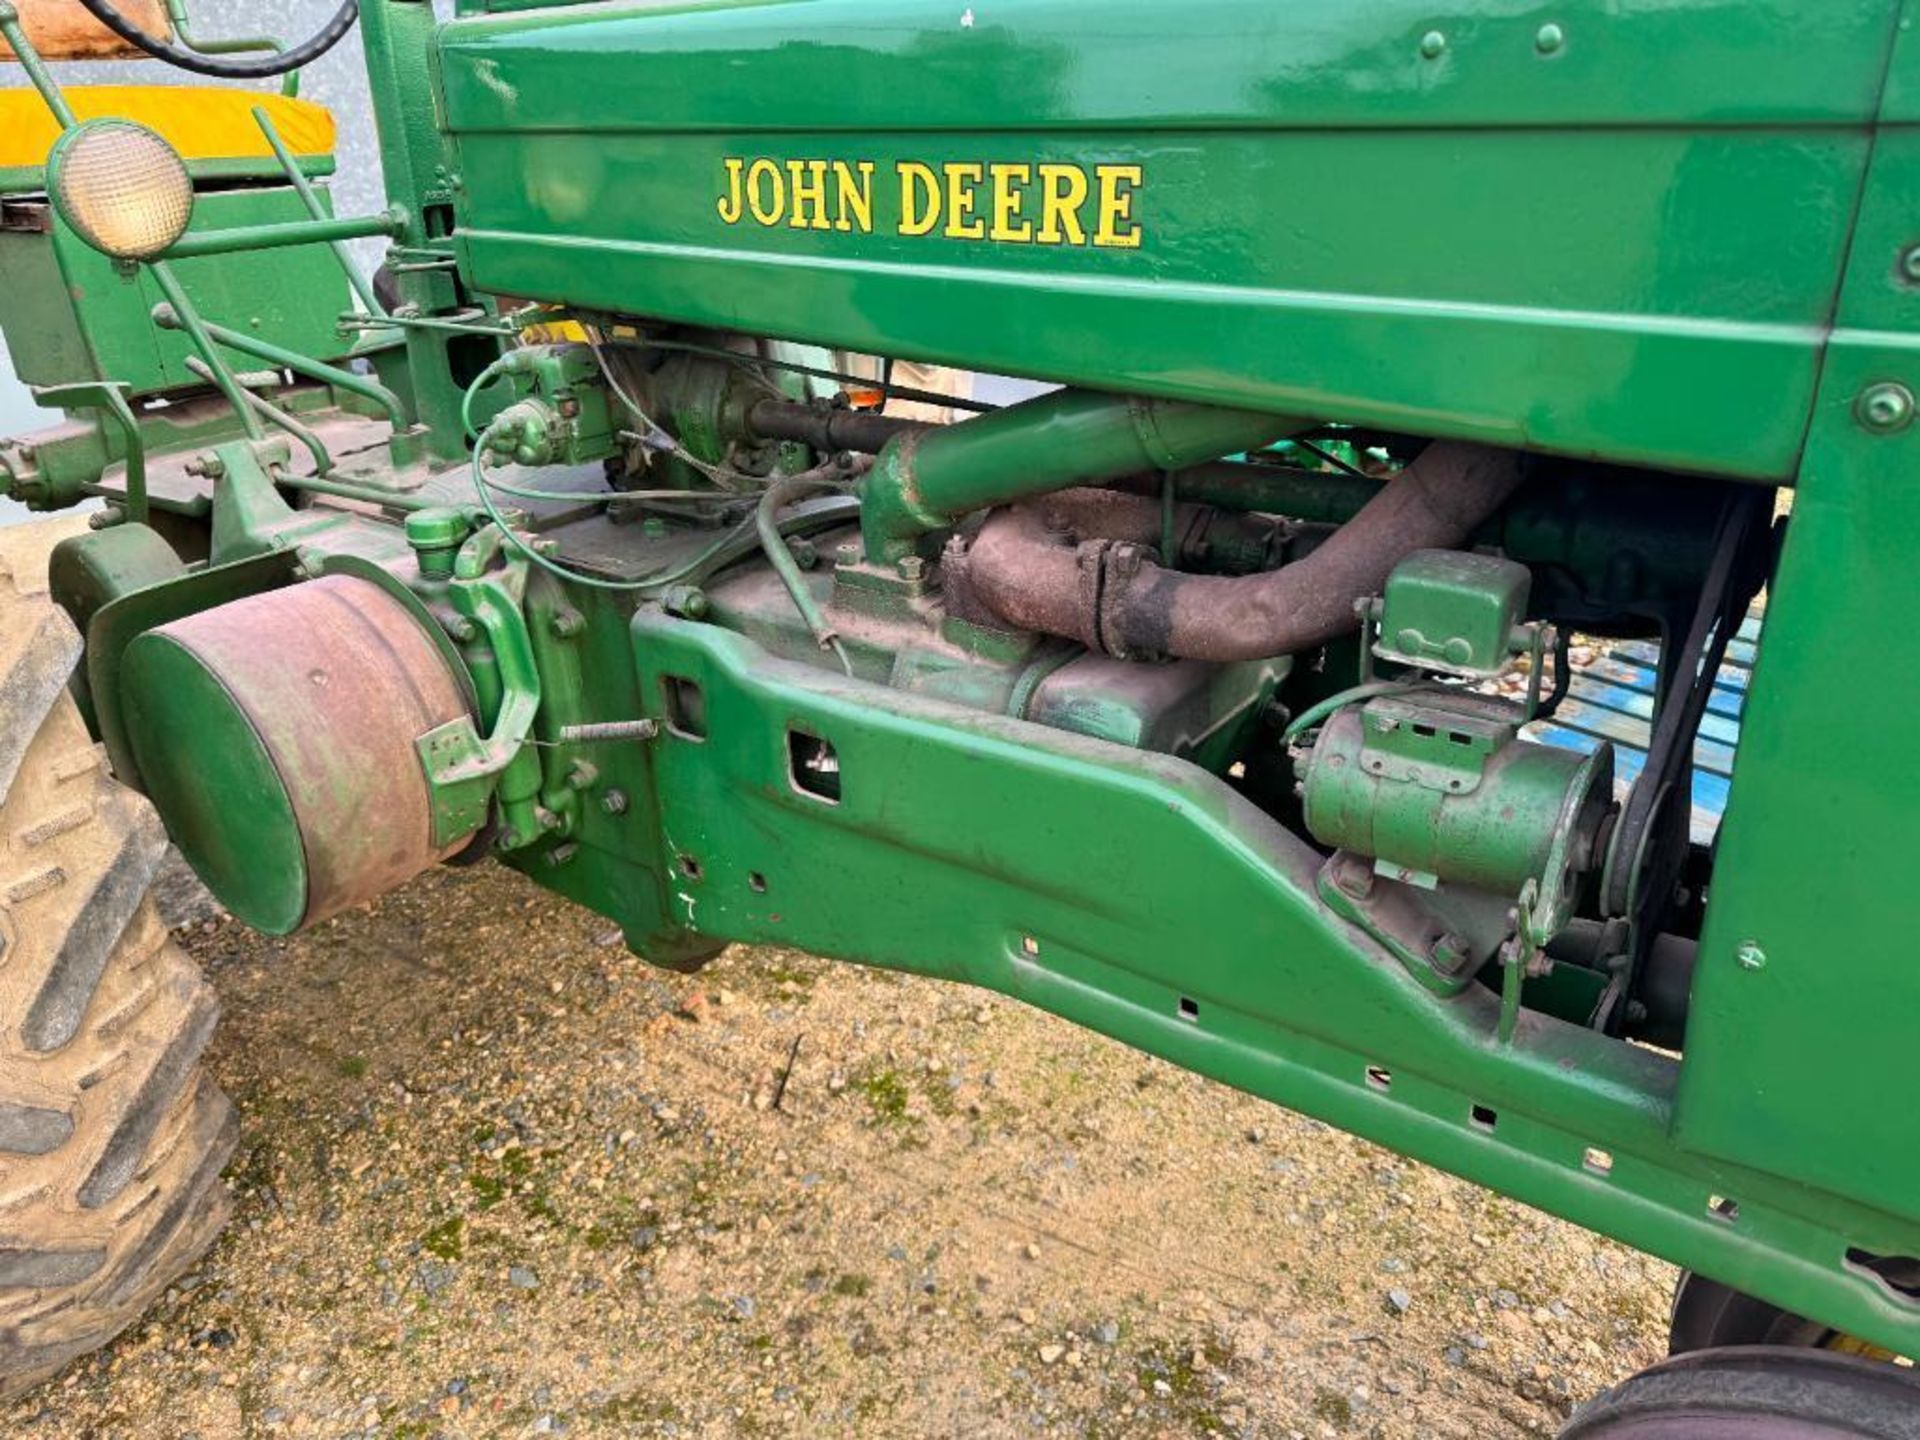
(614, 802)
(912, 568)
(1749, 955)
(1886, 408)
(1355, 878)
(1433, 45)
(688, 601)
(1550, 39)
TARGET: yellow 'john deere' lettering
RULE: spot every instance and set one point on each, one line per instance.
(994, 202)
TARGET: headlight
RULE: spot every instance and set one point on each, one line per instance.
(122, 188)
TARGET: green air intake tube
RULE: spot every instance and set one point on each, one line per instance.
(924, 480)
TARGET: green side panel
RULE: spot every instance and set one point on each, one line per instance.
(1610, 243)
(208, 770)
(1140, 896)
(1814, 1054)
(87, 319)
(37, 316)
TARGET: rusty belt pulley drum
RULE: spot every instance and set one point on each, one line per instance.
(275, 734)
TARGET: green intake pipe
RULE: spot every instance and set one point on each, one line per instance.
(925, 480)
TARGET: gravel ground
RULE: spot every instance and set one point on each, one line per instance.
(501, 1178)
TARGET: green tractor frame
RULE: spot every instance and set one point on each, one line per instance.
(1380, 351)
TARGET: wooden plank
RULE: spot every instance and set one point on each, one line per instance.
(1637, 676)
(1740, 652)
(1624, 730)
(1632, 713)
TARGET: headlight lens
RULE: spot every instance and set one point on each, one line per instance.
(122, 188)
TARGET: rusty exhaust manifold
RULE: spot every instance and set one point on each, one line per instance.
(1081, 564)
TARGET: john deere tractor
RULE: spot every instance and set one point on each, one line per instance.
(1218, 695)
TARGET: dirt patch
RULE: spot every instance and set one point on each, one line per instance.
(500, 1178)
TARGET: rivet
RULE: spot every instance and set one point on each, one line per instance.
(1433, 45)
(1549, 39)
(1750, 955)
(1887, 407)
(1910, 263)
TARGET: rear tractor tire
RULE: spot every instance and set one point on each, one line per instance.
(1757, 1392)
(112, 1139)
(1708, 1315)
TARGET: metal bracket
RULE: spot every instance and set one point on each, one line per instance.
(1407, 739)
(1442, 933)
(110, 398)
(249, 515)
(464, 771)
(459, 780)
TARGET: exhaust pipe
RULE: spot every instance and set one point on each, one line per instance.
(1083, 571)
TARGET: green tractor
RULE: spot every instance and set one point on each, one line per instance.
(1216, 696)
